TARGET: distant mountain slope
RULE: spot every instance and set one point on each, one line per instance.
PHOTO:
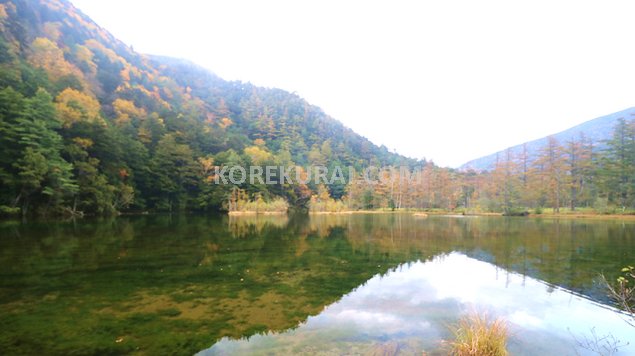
(597, 130)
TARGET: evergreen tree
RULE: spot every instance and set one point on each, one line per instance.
(175, 174)
(618, 165)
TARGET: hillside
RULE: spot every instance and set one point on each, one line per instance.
(90, 126)
(597, 130)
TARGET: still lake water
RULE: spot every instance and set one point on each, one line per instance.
(335, 284)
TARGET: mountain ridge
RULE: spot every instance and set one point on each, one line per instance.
(597, 130)
(142, 132)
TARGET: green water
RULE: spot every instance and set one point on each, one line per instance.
(180, 284)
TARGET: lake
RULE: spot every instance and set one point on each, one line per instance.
(355, 284)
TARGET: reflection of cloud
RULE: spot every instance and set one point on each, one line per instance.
(419, 300)
(521, 317)
(377, 322)
(365, 318)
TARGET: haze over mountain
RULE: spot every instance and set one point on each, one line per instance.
(597, 130)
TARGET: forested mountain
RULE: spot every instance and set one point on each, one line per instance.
(597, 131)
(89, 126)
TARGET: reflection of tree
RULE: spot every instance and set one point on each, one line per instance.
(200, 278)
(242, 225)
(568, 253)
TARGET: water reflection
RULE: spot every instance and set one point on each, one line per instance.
(410, 308)
(177, 284)
(244, 225)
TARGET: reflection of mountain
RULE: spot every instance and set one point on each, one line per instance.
(195, 279)
(200, 278)
(567, 253)
(409, 310)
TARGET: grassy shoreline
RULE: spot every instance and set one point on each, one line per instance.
(253, 212)
(590, 216)
(548, 215)
(586, 215)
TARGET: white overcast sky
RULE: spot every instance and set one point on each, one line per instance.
(446, 80)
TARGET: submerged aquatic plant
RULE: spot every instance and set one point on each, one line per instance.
(476, 334)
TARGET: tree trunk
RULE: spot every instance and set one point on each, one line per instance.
(16, 200)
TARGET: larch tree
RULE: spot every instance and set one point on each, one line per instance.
(553, 171)
(618, 164)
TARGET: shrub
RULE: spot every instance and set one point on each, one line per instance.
(240, 202)
(477, 335)
(329, 205)
(623, 292)
(515, 212)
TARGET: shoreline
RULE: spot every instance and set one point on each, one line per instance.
(583, 216)
(253, 212)
(416, 213)
(349, 212)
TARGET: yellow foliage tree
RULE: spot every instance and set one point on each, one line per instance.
(225, 122)
(3, 12)
(207, 164)
(112, 55)
(257, 154)
(52, 30)
(74, 106)
(83, 142)
(126, 110)
(84, 57)
(46, 55)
